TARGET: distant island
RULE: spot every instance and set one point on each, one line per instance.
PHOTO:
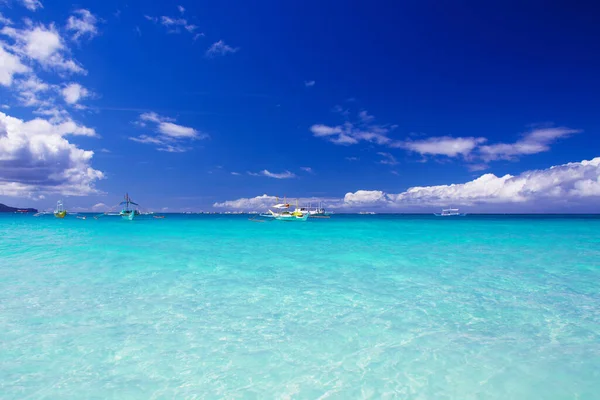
(5, 208)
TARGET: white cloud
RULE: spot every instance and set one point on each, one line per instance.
(74, 92)
(477, 167)
(82, 23)
(174, 24)
(36, 158)
(353, 132)
(33, 92)
(10, 65)
(154, 117)
(220, 49)
(573, 186)
(365, 116)
(32, 5)
(177, 131)
(34, 84)
(309, 83)
(388, 159)
(4, 20)
(536, 141)
(169, 135)
(554, 186)
(259, 202)
(444, 145)
(307, 169)
(177, 22)
(147, 140)
(282, 175)
(44, 45)
(365, 197)
(100, 207)
(235, 173)
(320, 130)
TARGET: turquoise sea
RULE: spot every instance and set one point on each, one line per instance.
(364, 306)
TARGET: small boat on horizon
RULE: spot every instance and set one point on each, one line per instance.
(315, 212)
(60, 211)
(128, 213)
(450, 212)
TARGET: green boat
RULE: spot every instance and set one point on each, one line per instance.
(128, 213)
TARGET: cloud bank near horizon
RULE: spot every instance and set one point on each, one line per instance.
(573, 186)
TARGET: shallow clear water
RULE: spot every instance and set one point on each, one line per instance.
(411, 307)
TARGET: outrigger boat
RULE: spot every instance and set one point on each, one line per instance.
(314, 212)
(290, 216)
(285, 214)
(60, 211)
(128, 213)
(450, 212)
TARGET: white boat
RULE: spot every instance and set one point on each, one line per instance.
(128, 213)
(317, 211)
(450, 212)
(283, 213)
(289, 216)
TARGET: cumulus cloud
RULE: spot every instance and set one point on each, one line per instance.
(74, 92)
(220, 49)
(169, 136)
(365, 197)
(44, 45)
(536, 141)
(572, 186)
(36, 158)
(570, 182)
(10, 65)
(259, 202)
(350, 133)
(82, 23)
(444, 145)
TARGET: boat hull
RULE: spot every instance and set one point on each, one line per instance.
(292, 218)
(60, 214)
(449, 215)
(128, 216)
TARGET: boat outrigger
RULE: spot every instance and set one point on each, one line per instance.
(283, 213)
(450, 212)
(128, 213)
(60, 211)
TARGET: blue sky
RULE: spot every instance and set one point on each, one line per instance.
(206, 105)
